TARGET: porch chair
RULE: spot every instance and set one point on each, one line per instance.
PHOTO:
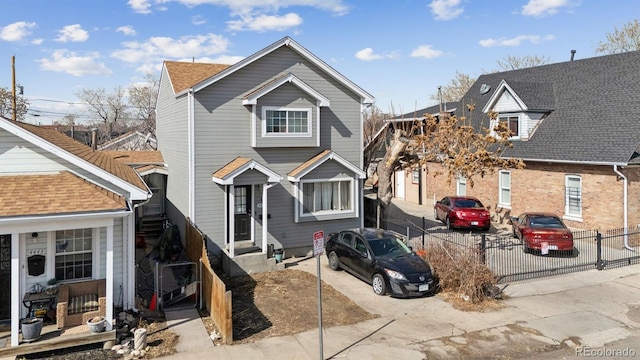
(80, 302)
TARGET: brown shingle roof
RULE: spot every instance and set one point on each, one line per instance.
(98, 158)
(230, 167)
(184, 75)
(136, 156)
(49, 194)
(308, 163)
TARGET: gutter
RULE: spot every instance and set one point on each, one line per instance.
(625, 206)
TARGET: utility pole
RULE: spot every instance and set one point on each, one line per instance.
(14, 114)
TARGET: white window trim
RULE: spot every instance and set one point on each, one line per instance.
(501, 202)
(461, 180)
(278, 108)
(566, 215)
(353, 203)
(519, 116)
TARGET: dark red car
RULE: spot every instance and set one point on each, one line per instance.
(538, 231)
(462, 212)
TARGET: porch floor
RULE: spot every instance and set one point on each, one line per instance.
(52, 338)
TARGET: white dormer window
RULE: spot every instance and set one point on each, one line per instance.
(286, 122)
(513, 123)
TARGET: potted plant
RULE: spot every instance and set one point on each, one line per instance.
(52, 286)
(97, 324)
(31, 329)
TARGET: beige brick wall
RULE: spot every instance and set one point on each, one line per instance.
(540, 187)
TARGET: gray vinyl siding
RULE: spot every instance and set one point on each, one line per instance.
(118, 257)
(18, 156)
(250, 177)
(223, 132)
(172, 135)
(289, 96)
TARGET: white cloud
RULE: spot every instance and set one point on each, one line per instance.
(198, 20)
(37, 41)
(446, 9)
(127, 30)
(73, 33)
(262, 23)
(140, 6)
(158, 48)
(16, 31)
(516, 41)
(69, 62)
(543, 7)
(367, 54)
(426, 51)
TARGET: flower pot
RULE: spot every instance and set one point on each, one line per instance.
(277, 253)
(31, 329)
(97, 324)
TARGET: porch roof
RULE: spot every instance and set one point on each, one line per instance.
(226, 174)
(60, 193)
(303, 169)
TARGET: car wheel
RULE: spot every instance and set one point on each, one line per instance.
(486, 228)
(513, 231)
(334, 262)
(448, 223)
(378, 285)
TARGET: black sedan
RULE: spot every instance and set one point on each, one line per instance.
(381, 259)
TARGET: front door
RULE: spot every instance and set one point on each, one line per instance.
(5, 276)
(242, 211)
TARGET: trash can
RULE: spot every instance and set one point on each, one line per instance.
(277, 253)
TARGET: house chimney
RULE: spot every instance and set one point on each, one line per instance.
(573, 53)
(94, 139)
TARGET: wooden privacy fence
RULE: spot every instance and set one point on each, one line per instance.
(214, 291)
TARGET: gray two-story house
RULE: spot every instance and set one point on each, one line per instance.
(263, 153)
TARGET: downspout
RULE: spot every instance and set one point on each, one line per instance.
(191, 155)
(625, 206)
(131, 285)
(265, 215)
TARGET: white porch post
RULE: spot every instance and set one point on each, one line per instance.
(109, 280)
(16, 301)
(265, 187)
(130, 275)
(232, 219)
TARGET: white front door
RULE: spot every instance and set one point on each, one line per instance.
(400, 184)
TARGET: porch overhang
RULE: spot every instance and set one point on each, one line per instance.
(305, 168)
(226, 174)
(252, 98)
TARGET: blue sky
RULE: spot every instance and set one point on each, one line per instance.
(400, 51)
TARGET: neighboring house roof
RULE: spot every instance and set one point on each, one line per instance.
(56, 141)
(237, 166)
(136, 157)
(434, 110)
(61, 193)
(133, 140)
(197, 76)
(594, 108)
(303, 169)
(184, 75)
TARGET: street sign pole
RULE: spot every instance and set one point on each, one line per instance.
(318, 250)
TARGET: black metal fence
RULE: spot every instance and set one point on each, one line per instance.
(505, 256)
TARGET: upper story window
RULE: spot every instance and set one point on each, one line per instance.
(513, 123)
(286, 122)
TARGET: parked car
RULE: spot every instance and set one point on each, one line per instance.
(462, 212)
(382, 259)
(539, 230)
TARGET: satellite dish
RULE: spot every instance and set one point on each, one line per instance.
(484, 88)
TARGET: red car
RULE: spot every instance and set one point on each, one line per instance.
(542, 230)
(462, 212)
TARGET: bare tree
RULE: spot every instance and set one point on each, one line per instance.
(450, 141)
(621, 40)
(110, 108)
(6, 105)
(142, 101)
(373, 121)
(455, 90)
(521, 62)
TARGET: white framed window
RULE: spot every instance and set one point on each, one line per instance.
(415, 176)
(504, 188)
(573, 196)
(327, 197)
(74, 254)
(513, 124)
(461, 186)
(277, 121)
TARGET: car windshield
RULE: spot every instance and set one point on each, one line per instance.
(545, 222)
(467, 203)
(388, 247)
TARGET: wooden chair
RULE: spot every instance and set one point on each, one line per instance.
(81, 301)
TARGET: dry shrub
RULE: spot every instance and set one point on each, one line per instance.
(460, 272)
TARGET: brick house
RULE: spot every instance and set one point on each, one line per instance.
(576, 125)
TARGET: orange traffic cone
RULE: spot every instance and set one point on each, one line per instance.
(152, 306)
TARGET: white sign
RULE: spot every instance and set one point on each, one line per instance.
(318, 243)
